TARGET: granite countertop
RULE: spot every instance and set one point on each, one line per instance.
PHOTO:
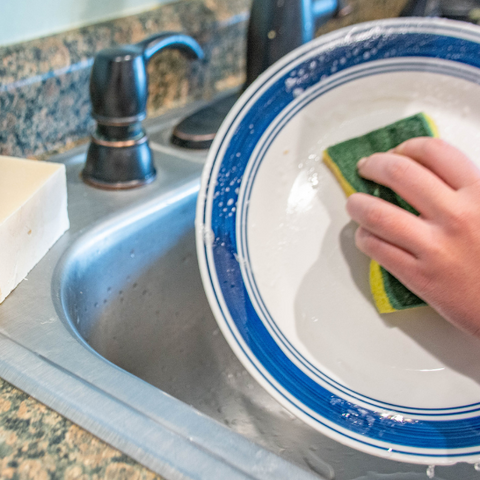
(37, 443)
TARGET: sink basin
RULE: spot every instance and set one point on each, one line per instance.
(113, 330)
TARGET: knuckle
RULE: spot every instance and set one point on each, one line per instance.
(431, 146)
(459, 220)
(359, 239)
(397, 169)
(364, 241)
(435, 251)
(424, 282)
(374, 215)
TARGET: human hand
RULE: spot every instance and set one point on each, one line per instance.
(436, 254)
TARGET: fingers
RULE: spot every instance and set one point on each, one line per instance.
(398, 262)
(389, 222)
(417, 185)
(443, 159)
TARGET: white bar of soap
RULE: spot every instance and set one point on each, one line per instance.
(33, 216)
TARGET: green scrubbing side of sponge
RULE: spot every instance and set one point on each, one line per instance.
(389, 294)
(345, 155)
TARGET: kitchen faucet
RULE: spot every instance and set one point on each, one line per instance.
(276, 27)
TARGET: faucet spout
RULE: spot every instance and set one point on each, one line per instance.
(276, 27)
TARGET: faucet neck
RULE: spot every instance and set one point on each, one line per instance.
(278, 26)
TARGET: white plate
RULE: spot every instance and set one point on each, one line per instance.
(284, 279)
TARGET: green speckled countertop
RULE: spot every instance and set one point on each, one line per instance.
(36, 443)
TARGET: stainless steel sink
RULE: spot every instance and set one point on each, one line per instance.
(113, 330)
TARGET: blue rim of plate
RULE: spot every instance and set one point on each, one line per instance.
(399, 432)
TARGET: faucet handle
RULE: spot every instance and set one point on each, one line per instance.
(119, 84)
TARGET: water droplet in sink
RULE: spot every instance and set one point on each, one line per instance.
(319, 466)
(431, 471)
(132, 254)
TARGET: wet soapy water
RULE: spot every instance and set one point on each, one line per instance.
(431, 471)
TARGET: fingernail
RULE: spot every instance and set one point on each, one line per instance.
(361, 162)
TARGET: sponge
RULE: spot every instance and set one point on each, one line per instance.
(388, 293)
